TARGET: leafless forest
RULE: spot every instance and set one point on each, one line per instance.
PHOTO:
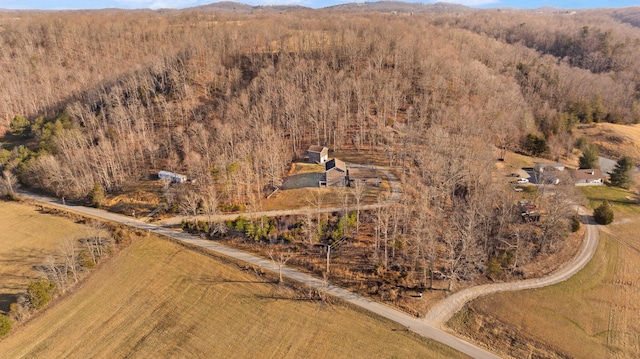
(105, 98)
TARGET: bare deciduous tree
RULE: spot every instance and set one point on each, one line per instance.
(280, 259)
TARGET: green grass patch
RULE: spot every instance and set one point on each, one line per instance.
(622, 200)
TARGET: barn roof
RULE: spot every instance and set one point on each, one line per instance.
(335, 163)
(317, 149)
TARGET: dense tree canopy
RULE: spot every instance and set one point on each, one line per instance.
(103, 99)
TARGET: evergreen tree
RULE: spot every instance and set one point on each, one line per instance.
(622, 175)
(589, 158)
(96, 196)
(20, 126)
(603, 214)
(40, 292)
(5, 325)
(535, 145)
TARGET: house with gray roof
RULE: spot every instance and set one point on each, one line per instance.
(588, 177)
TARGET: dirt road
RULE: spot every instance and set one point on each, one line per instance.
(429, 327)
(445, 309)
(394, 197)
(411, 323)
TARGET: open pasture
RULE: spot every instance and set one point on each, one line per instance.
(158, 299)
(27, 237)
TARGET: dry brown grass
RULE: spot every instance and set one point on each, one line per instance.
(363, 157)
(156, 299)
(595, 314)
(141, 198)
(615, 141)
(300, 189)
(26, 239)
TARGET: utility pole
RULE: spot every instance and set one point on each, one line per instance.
(328, 254)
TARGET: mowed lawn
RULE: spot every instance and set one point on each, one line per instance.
(596, 313)
(156, 299)
(27, 237)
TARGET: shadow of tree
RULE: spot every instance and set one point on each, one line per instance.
(302, 180)
(5, 301)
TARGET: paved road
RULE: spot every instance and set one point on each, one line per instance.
(445, 309)
(394, 197)
(411, 323)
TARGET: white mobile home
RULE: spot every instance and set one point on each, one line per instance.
(172, 177)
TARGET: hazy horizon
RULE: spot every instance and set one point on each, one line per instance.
(181, 4)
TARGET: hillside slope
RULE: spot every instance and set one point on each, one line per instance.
(158, 299)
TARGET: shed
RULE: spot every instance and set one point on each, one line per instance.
(318, 154)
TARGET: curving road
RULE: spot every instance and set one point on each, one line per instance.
(446, 308)
(429, 327)
(410, 322)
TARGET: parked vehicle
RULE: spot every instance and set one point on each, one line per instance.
(522, 180)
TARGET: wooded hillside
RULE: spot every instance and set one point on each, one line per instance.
(104, 98)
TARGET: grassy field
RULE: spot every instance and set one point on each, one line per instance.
(26, 239)
(156, 299)
(596, 313)
(624, 202)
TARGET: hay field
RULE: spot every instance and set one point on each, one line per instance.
(27, 237)
(596, 313)
(156, 299)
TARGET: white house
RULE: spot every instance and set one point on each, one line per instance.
(172, 177)
(588, 177)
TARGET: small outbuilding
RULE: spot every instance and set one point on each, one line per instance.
(588, 177)
(318, 154)
(172, 177)
(363, 175)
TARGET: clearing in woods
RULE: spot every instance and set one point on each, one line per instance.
(26, 239)
(300, 190)
(595, 314)
(159, 299)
